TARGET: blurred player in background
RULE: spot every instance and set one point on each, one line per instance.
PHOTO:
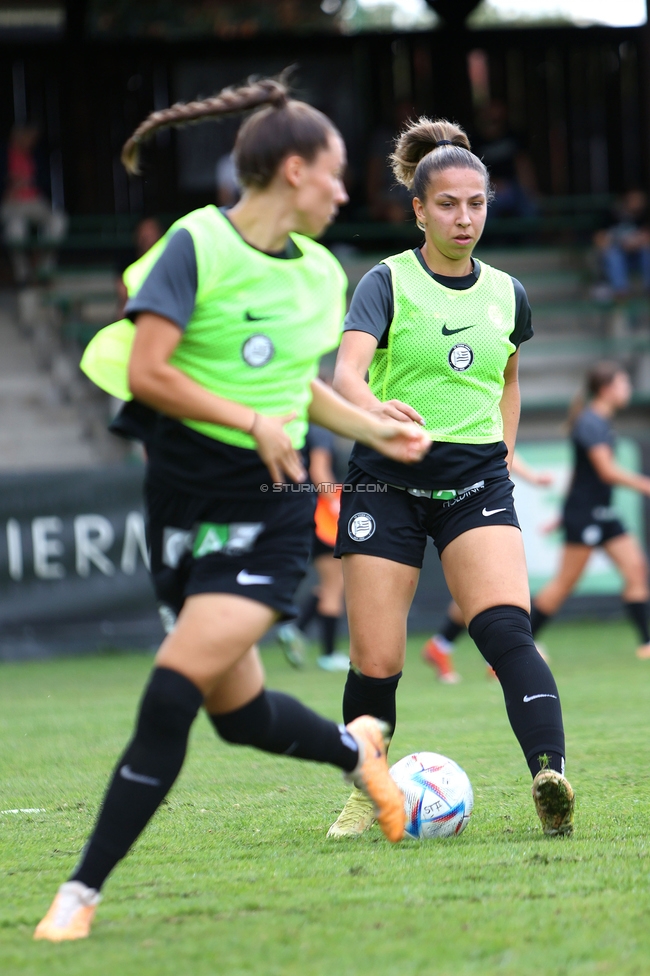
(589, 521)
(438, 650)
(234, 311)
(439, 334)
(325, 602)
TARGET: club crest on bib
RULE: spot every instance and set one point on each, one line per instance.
(258, 350)
(461, 357)
(361, 527)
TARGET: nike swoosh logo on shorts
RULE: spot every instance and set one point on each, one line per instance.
(446, 331)
(528, 698)
(127, 773)
(244, 578)
(493, 512)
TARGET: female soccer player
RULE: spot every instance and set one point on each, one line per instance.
(438, 650)
(589, 520)
(439, 333)
(325, 602)
(233, 312)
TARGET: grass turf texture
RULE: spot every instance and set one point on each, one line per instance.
(235, 874)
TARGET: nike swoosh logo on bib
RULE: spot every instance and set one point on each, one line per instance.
(493, 512)
(244, 578)
(447, 332)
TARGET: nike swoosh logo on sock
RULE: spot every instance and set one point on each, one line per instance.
(529, 698)
(127, 773)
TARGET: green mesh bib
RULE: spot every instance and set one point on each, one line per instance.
(447, 351)
(258, 331)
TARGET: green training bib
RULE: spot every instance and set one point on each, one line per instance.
(258, 331)
(447, 351)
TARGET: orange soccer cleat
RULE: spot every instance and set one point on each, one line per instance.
(441, 659)
(373, 778)
(70, 914)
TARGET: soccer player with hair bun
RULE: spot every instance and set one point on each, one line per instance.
(233, 311)
(588, 520)
(439, 332)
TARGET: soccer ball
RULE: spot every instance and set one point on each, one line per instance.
(438, 797)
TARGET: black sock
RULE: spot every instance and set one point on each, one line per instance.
(538, 620)
(275, 722)
(504, 638)
(144, 775)
(328, 627)
(370, 696)
(451, 630)
(307, 611)
(638, 614)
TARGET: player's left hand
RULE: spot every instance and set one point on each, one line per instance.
(543, 479)
(401, 441)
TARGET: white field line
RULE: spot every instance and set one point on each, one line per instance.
(25, 810)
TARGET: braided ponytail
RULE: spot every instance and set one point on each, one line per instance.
(278, 127)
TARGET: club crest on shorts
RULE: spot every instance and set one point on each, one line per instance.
(361, 527)
(258, 350)
(591, 535)
(461, 357)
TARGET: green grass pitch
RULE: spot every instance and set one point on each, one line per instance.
(235, 875)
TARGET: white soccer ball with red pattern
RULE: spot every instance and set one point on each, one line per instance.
(438, 797)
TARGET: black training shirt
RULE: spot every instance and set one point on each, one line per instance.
(587, 490)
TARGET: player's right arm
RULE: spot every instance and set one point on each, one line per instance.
(154, 381)
(354, 357)
(602, 458)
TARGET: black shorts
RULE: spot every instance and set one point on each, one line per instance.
(591, 526)
(320, 548)
(382, 521)
(257, 549)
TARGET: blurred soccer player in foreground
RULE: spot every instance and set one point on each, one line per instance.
(233, 311)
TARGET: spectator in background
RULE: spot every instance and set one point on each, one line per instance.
(388, 200)
(147, 231)
(511, 169)
(624, 245)
(25, 204)
(226, 182)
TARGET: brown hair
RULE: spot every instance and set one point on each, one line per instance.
(280, 126)
(599, 376)
(430, 146)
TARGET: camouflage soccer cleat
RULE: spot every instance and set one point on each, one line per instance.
(554, 801)
(357, 816)
(372, 777)
(292, 643)
(70, 914)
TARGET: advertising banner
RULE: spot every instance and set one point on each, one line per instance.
(73, 561)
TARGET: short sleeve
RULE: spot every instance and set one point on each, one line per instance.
(590, 430)
(523, 329)
(170, 287)
(320, 437)
(372, 307)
